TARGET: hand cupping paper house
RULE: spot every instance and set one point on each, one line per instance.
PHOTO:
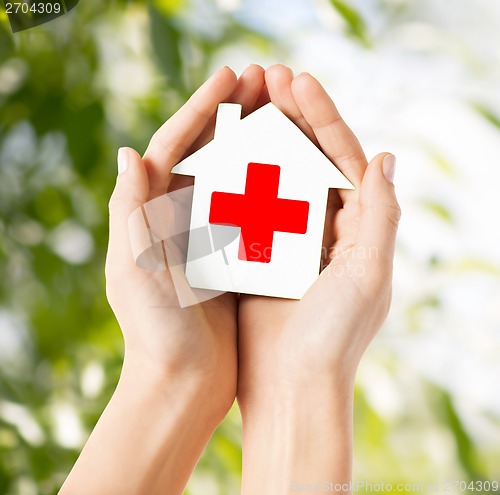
(258, 206)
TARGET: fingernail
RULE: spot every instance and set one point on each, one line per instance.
(122, 160)
(389, 167)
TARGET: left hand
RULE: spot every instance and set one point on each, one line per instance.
(179, 373)
(196, 345)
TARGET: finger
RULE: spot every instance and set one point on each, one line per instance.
(131, 191)
(263, 98)
(337, 141)
(248, 88)
(380, 212)
(171, 141)
(279, 85)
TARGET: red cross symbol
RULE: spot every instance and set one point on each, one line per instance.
(259, 212)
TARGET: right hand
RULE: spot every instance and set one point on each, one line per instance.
(321, 338)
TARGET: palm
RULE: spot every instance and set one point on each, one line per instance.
(266, 321)
(170, 334)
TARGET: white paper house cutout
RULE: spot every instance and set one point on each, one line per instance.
(257, 145)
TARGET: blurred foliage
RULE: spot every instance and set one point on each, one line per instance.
(356, 26)
(487, 113)
(71, 92)
(58, 140)
(438, 209)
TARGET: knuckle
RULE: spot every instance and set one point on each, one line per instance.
(200, 111)
(111, 296)
(391, 212)
(386, 209)
(170, 147)
(110, 273)
(113, 288)
(124, 198)
(394, 214)
(116, 206)
(113, 202)
(118, 195)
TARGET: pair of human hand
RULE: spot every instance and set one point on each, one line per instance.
(279, 340)
(261, 350)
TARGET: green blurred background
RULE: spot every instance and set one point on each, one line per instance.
(419, 79)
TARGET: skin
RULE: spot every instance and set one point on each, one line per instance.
(291, 364)
(298, 359)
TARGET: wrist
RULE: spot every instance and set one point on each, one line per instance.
(297, 436)
(295, 403)
(189, 392)
(294, 389)
(150, 423)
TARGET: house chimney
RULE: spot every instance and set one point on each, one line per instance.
(228, 116)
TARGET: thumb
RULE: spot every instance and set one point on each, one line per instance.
(380, 210)
(131, 191)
